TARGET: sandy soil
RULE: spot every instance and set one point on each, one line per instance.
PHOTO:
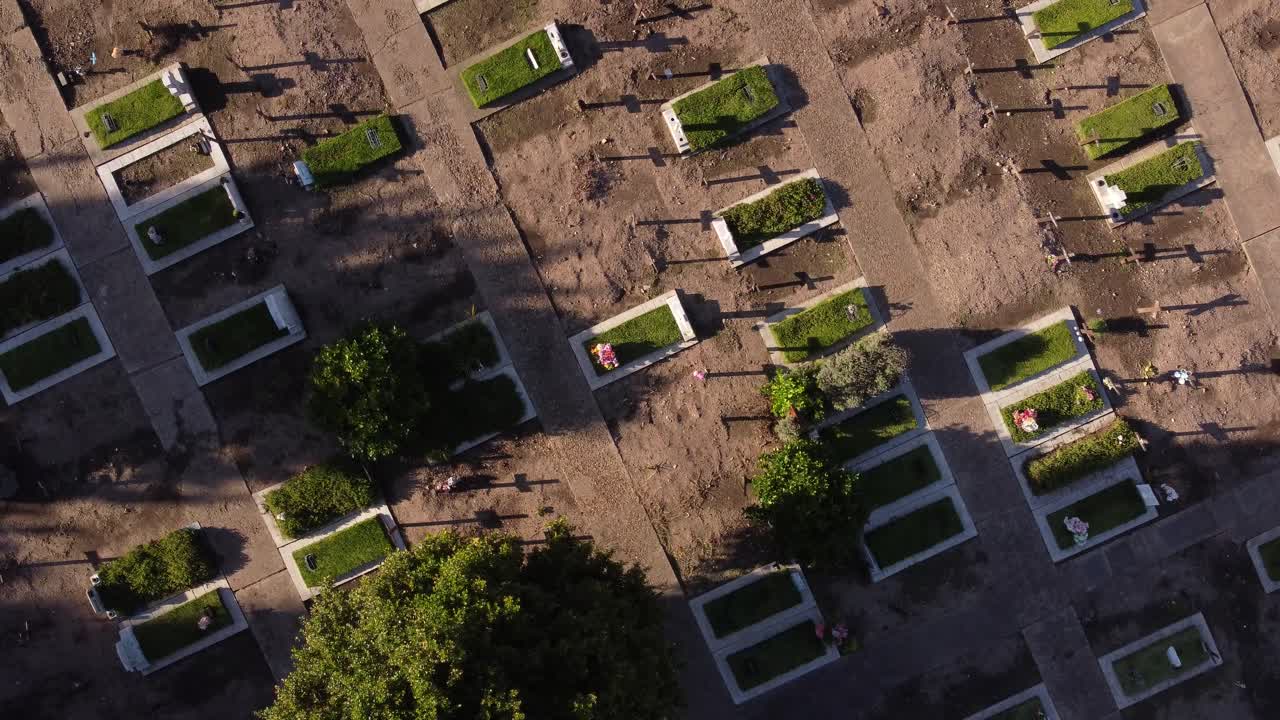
(1251, 32)
(15, 181)
(160, 171)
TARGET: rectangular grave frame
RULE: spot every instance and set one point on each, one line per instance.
(739, 258)
(61, 255)
(905, 388)
(777, 355)
(676, 128)
(699, 603)
(689, 338)
(1043, 54)
(910, 501)
(1254, 548)
(204, 377)
(380, 511)
(568, 68)
(1034, 501)
(1058, 375)
(151, 267)
(1107, 661)
(1158, 147)
(764, 631)
(229, 601)
(1122, 471)
(973, 356)
(34, 201)
(1038, 691)
(99, 156)
(890, 513)
(106, 352)
(106, 171)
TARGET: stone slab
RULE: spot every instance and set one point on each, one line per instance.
(676, 129)
(228, 600)
(129, 309)
(99, 155)
(795, 307)
(173, 402)
(903, 388)
(764, 631)
(410, 68)
(973, 357)
(204, 377)
(698, 605)
(1255, 556)
(1067, 666)
(77, 202)
(738, 258)
(29, 99)
(670, 299)
(1039, 691)
(107, 171)
(274, 613)
(919, 500)
(906, 503)
(475, 114)
(244, 224)
(107, 352)
(63, 258)
(34, 201)
(1107, 662)
(1123, 471)
(1097, 180)
(379, 511)
(1025, 390)
(1043, 54)
(1074, 489)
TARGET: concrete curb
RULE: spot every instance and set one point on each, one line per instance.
(776, 354)
(972, 357)
(244, 224)
(1124, 471)
(1026, 390)
(425, 6)
(919, 500)
(63, 256)
(1039, 691)
(1043, 54)
(1096, 179)
(107, 352)
(910, 501)
(99, 156)
(699, 603)
(35, 201)
(124, 210)
(902, 388)
(296, 335)
(1273, 149)
(1019, 461)
(672, 300)
(127, 639)
(737, 259)
(765, 631)
(676, 129)
(1107, 662)
(380, 511)
(1254, 547)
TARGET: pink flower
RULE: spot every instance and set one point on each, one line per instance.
(820, 630)
(840, 632)
(1088, 393)
(604, 355)
(700, 374)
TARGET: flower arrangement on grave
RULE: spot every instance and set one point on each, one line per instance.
(838, 637)
(604, 355)
(1088, 393)
(1026, 420)
(204, 622)
(1078, 528)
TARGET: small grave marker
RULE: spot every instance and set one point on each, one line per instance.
(1172, 654)
(110, 122)
(1159, 110)
(483, 82)
(533, 60)
(310, 560)
(371, 135)
(1181, 163)
(746, 90)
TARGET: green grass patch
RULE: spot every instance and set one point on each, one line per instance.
(812, 331)
(1029, 710)
(476, 409)
(1059, 404)
(1150, 666)
(509, 70)
(1103, 510)
(149, 106)
(318, 496)
(752, 603)
(1270, 553)
(176, 562)
(1064, 21)
(1148, 182)
(780, 654)
(190, 221)
(782, 210)
(637, 337)
(48, 354)
(711, 116)
(1028, 356)
(22, 232)
(914, 532)
(336, 160)
(344, 552)
(36, 294)
(869, 429)
(1068, 463)
(235, 336)
(1127, 122)
(178, 628)
(899, 477)
(467, 349)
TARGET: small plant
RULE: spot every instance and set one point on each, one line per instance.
(160, 568)
(861, 371)
(318, 495)
(1098, 326)
(794, 394)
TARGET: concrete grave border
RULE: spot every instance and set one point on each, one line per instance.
(35, 201)
(776, 355)
(973, 356)
(883, 516)
(380, 511)
(698, 604)
(278, 537)
(764, 631)
(106, 172)
(1024, 390)
(426, 6)
(107, 352)
(1039, 691)
(127, 646)
(908, 502)
(1273, 149)
(151, 267)
(737, 258)
(296, 335)
(904, 387)
(1254, 547)
(1156, 148)
(99, 156)
(529, 411)
(568, 69)
(672, 300)
(674, 126)
(1107, 661)
(1123, 471)
(1017, 461)
(63, 256)
(1043, 54)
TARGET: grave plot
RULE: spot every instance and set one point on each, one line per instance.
(719, 111)
(1126, 123)
(1094, 516)
(1264, 553)
(905, 533)
(340, 159)
(1152, 178)
(59, 350)
(524, 64)
(879, 425)
(820, 325)
(39, 291)
(634, 340)
(199, 218)
(319, 496)
(1026, 353)
(180, 627)
(1055, 27)
(27, 233)
(761, 628)
(342, 551)
(910, 469)
(1160, 660)
(1031, 704)
(240, 335)
(123, 120)
(152, 572)
(163, 169)
(774, 218)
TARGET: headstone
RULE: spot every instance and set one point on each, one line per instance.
(371, 134)
(483, 82)
(1172, 654)
(154, 236)
(1148, 495)
(110, 122)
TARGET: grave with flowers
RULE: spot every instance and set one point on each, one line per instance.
(634, 340)
(179, 627)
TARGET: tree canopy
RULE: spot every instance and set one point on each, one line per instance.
(475, 629)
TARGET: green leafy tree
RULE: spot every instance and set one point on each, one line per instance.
(812, 507)
(861, 371)
(368, 390)
(473, 629)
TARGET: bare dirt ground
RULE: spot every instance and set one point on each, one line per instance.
(1251, 32)
(160, 171)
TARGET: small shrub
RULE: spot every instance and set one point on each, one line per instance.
(1067, 463)
(793, 391)
(319, 495)
(783, 210)
(787, 429)
(158, 569)
(861, 371)
(1097, 325)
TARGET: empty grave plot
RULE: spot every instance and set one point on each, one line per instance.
(633, 340)
(166, 634)
(749, 604)
(200, 216)
(37, 293)
(898, 477)
(159, 171)
(1147, 666)
(1270, 553)
(1074, 398)
(1152, 182)
(338, 159)
(714, 114)
(344, 553)
(870, 428)
(240, 335)
(1068, 463)
(1127, 123)
(1028, 356)
(48, 354)
(794, 647)
(318, 496)
(177, 562)
(1264, 553)
(773, 218)
(150, 106)
(1066, 20)
(23, 232)
(1102, 511)
(823, 326)
(518, 66)
(913, 533)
